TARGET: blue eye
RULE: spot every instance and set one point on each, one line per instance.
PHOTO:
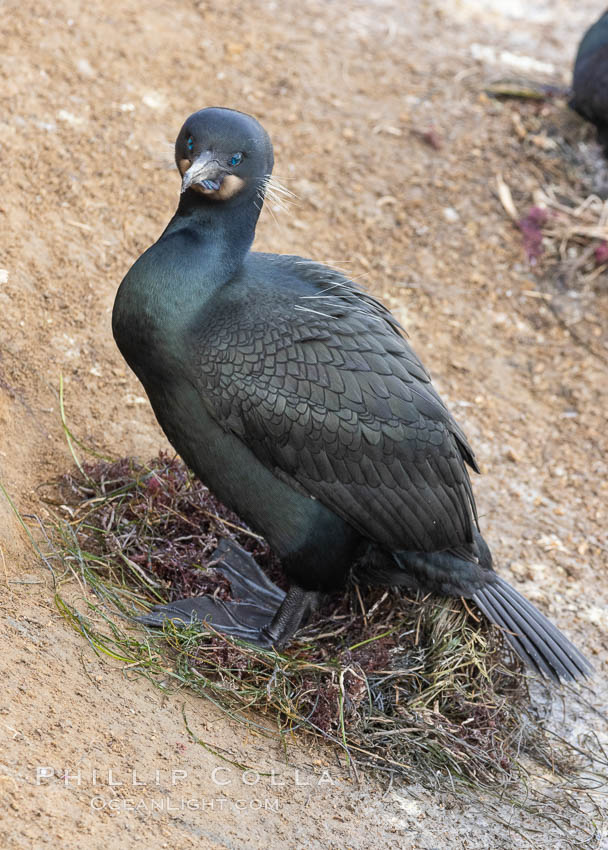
(190, 143)
(236, 158)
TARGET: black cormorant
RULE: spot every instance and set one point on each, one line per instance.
(590, 78)
(295, 398)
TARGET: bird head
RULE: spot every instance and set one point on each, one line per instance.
(222, 154)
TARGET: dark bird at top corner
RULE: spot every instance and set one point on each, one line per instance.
(293, 395)
(590, 79)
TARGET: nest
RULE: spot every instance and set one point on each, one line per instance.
(416, 688)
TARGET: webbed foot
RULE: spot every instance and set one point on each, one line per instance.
(266, 617)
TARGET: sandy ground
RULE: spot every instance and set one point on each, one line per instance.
(93, 95)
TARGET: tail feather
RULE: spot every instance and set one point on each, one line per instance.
(534, 638)
(551, 657)
(557, 652)
(520, 643)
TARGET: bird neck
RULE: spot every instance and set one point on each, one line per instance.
(222, 232)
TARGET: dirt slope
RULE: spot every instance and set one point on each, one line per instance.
(93, 95)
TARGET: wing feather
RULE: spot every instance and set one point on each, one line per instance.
(336, 401)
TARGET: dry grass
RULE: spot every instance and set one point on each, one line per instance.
(570, 226)
(567, 209)
(421, 689)
(563, 220)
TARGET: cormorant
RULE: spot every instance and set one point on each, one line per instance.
(295, 398)
(590, 79)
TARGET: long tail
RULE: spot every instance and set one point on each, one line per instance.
(536, 640)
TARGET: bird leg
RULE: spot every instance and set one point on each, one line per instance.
(266, 616)
(293, 611)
